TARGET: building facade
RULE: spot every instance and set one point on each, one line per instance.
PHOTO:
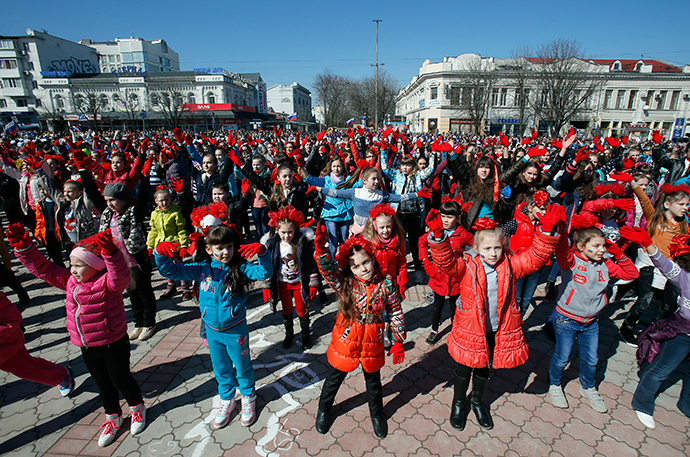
(632, 97)
(128, 55)
(288, 100)
(26, 61)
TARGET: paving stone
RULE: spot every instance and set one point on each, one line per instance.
(612, 448)
(566, 445)
(526, 445)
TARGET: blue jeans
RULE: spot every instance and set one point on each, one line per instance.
(671, 354)
(229, 354)
(337, 234)
(567, 331)
(260, 216)
(524, 290)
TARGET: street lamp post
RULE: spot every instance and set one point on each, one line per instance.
(376, 82)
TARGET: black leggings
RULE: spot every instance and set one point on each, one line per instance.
(336, 377)
(412, 223)
(141, 295)
(463, 371)
(109, 367)
(437, 309)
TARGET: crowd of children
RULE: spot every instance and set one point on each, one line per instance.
(344, 210)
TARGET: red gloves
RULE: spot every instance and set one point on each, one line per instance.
(299, 159)
(168, 249)
(188, 139)
(312, 293)
(398, 353)
(626, 204)
(535, 134)
(232, 155)
(656, 137)
(81, 160)
(267, 296)
(554, 217)
(350, 133)
(177, 184)
(433, 221)
(310, 189)
(245, 186)
(250, 250)
(636, 235)
(582, 155)
(424, 193)
(614, 250)
(146, 169)
(430, 269)
(150, 252)
(320, 239)
(614, 142)
(17, 236)
(178, 135)
(105, 241)
(623, 177)
(536, 151)
(320, 136)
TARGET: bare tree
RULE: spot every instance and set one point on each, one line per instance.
(129, 103)
(168, 101)
(361, 96)
(89, 101)
(563, 82)
(331, 93)
(477, 81)
(51, 113)
(520, 78)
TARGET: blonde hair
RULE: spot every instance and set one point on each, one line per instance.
(482, 234)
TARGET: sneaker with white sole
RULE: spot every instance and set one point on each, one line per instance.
(248, 410)
(138, 419)
(112, 424)
(558, 397)
(66, 387)
(135, 332)
(646, 419)
(147, 333)
(595, 401)
(223, 416)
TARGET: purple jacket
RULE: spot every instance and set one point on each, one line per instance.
(95, 309)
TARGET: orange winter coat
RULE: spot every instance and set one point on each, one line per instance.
(467, 343)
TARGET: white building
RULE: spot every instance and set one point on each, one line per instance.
(127, 55)
(287, 100)
(24, 63)
(636, 96)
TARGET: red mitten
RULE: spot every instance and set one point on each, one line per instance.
(398, 353)
(614, 250)
(557, 143)
(184, 253)
(626, 204)
(168, 249)
(657, 137)
(320, 136)
(433, 221)
(554, 217)
(350, 133)
(535, 134)
(620, 176)
(430, 269)
(267, 296)
(636, 235)
(320, 239)
(245, 186)
(105, 241)
(17, 236)
(505, 141)
(150, 252)
(177, 184)
(537, 151)
(178, 135)
(310, 189)
(250, 250)
(146, 169)
(232, 155)
(312, 293)
(614, 142)
(625, 139)
(582, 155)
(425, 192)
(299, 159)
(188, 139)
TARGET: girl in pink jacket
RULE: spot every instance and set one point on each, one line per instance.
(96, 320)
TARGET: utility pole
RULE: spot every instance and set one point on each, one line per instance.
(376, 84)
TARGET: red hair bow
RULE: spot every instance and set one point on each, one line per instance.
(583, 221)
(289, 212)
(207, 216)
(343, 254)
(381, 208)
(485, 223)
(541, 197)
(678, 245)
(162, 187)
(615, 187)
(464, 206)
(670, 189)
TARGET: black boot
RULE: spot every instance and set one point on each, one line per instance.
(628, 334)
(289, 332)
(550, 290)
(375, 394)
(322, 424)
(458, 411)
(380, 426)
(306, 333)
(479, 386)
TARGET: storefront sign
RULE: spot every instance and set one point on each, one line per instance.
(638, 127)
(678, 128)
(219, 107)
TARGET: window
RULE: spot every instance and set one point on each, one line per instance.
(620, 96)
(166, 61)
(607, 98)
(434, 93)
(34, 84)
(133, 99)
(191, 98)
(3, 103)
(103, 101)
(139, 56)
(31, 65)
(674, 99)
(650, 97)
(26, 47)
(11, 82)
(504, 97)
(59, 102)
(616, 66)
(454, 96)
(164, 47)
(211, 97)
(38, 103)
(466, 95)
(661, 99)
(155, 99)
(21, 103)
(632, 99)
(8, 64)
(638, 65)
(117, 58)
(494, 97)
(6, 44)
(127, 57)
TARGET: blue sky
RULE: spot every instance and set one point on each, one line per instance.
(290, 41)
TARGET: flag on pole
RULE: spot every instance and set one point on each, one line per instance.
(11, 127)
(293, 117)
(351, 121)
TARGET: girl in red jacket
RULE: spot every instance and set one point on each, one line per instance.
(442, 284)
(384, 231)
(365, 294)
(487, 329)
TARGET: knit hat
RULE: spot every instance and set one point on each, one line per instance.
(119, 191)
(88, 258)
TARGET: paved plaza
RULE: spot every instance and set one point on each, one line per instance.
(174, 371)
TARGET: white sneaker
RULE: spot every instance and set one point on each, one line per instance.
(112, 424)
(595, 401)
(646, 419)
(223, 416)
(558, 397)
(147, 333)
(138, 419)
(248, 410)
(66, 387)
(135, 332)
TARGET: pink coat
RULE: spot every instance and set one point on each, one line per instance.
(95, 309)
(11, 335)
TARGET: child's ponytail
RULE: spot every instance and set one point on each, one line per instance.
(670, 194)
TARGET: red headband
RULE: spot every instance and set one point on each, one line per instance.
(485, 223)
(289, 212)
(615, 187)
(669, 189)
(343, 254)
(541, 197)
(381, 208)
(464, 206)
(583, 220)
